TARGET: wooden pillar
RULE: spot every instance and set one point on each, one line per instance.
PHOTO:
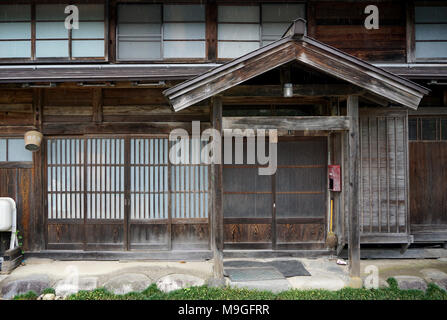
(354, 186)
(216, 194)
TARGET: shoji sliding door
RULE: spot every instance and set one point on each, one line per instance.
(120, 193)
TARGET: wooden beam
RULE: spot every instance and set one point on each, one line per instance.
(299, 90)
(217, 197)
(288, 123)
(354, 173)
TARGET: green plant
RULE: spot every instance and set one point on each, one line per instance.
(49, 291)
(30, 295)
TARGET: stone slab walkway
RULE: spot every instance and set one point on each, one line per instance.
(121, 277)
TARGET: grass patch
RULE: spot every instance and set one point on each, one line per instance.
(30, 295)
(206, 293)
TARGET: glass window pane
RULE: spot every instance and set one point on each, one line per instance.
(184, 13)
(429, 129)
(431, 31)
(431, 49)
(235, 49)
(133, 50)
(53, 12)
(89, 30)
(431, 14)
(51, 30)
(184, 31)
(2, 150)
(238, 32)
(15, 30)
(51, 49)
(87, 48)
(139, 13)
(184, 49)
(273, 31)
(412, 129)
(15, 12)
(282, 12)
(91, 12)
(139, 30)
(15, 49)
(238, 14)
(17, 151)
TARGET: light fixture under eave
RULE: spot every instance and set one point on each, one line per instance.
(288, 90)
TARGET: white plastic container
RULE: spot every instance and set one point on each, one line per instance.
(7, 212)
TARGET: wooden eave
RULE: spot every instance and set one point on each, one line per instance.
(80, 73)
(304, 50)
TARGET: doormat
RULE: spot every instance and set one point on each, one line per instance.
(254, 274)
(288, 268)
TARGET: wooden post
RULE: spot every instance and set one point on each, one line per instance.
(216, 192)
(354, 228)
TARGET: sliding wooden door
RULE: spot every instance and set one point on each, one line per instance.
(122, 193)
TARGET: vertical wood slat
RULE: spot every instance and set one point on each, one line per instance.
(388, 187)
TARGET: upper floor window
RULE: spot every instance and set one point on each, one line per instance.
(431, 33)
(153, 31)
(13, 150)
(242, 29)
(46, 36)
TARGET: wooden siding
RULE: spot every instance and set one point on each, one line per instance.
(341, 25)
(384, 177)
(16, 183)
(428, 199)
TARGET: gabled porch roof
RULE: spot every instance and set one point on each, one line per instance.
(296, 46)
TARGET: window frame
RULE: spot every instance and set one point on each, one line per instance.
(411, 32)
(33, 59)
(259, 4)
(162, 59)
(439, 119)
(14, 164)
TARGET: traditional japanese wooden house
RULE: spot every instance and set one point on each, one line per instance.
(368, 100)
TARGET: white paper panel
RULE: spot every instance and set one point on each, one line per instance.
(2, 150)
(282, 12)
(184, 49)
(88, 48)
(139, 50)
(273, 31)
(15, 49)
(238, 14)
(15, 12)
(238, 32)
(235, 49)
(431, 49)
(15, 30)
(431, 31)
(51, 30)
(431, 14)
(17, 151)
(54, 12)
(139, 13)
(178, 13)
(91, 12)
(184, 31)
(89, 30)
(51, 49)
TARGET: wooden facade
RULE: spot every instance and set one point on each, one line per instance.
(102, 182)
